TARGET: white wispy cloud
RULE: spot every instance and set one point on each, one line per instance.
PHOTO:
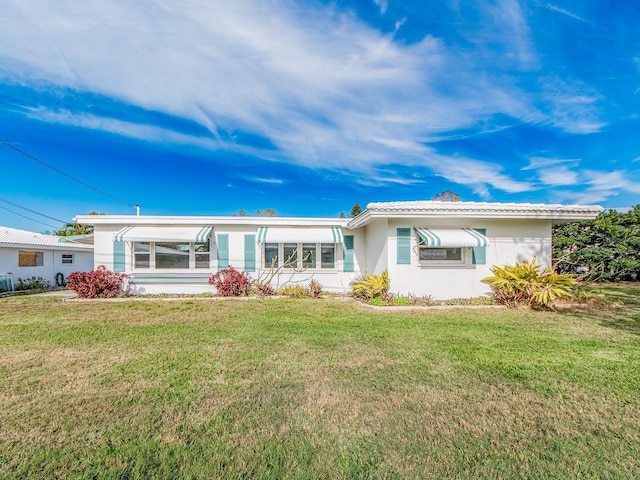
(325, 88)
(566, 12)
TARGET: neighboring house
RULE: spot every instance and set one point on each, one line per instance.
(27, 254)
(442, 249)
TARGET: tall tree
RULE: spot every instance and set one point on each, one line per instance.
(606, 249)
(71, 229)
(356, 210)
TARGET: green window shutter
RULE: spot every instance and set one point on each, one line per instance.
(223, 250)
(348, 253)
(404, 246)
(249, 253)
(479, 256)
(118, 256)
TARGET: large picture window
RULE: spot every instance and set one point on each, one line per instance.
(30, 259)
(172, 255)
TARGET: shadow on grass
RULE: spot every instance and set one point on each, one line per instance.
(625, 318)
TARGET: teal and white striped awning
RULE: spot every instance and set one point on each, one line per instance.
(172, 233)
(300, 235)
(451, 237)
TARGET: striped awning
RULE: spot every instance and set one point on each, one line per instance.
(163, 234)
(300, 235)
(451, 237)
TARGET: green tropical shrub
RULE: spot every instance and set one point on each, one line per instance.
(294, 291)
(371, 286)
(33, 283)
(524, 284)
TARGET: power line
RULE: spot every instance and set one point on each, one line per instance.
(16, 149)
(28, 218)
(32, 211)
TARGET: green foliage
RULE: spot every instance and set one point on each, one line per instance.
(72, 229)
(447, 196)
(294, 291)
(524, 284)
(371, 286)
(606, 249)
(402, 301)
(356, 210)
(377, 302)
(33, 283)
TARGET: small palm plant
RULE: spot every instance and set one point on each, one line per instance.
(372, 286)
(524, 284)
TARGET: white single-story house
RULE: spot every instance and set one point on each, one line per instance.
(26, 254)
(441, 249)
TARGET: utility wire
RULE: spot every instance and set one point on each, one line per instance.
(32, 211)
(12, 147)
(28, 218)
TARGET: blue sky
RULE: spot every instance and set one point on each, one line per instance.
(308, 107)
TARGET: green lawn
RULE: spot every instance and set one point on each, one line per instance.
(316, 389)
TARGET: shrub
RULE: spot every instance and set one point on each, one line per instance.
(402, 301)
(262, 289)
(315, 288)
(99, 283)
(371, 286)
(377, 302)
(33, 283)
(524, 284)
(294, 291)
(230, 282)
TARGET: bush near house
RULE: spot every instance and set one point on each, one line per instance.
(99, 283)
(33, 283)
(523, 284)
(372, 286)
(231, 283)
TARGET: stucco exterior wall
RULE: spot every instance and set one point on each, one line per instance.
(52, 263)
(377, 246)
(510, 241)
(196, 281)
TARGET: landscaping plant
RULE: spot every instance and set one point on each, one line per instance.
(371, 286)
(33, 283)
(231, 283)
(315, 288)
(524, 284)
(99, 283)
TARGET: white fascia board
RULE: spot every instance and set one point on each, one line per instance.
(557, 216)
(204, 220)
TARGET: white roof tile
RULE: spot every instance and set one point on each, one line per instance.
(13, 236)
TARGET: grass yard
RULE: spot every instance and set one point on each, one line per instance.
(316, 389)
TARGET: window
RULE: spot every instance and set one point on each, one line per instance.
(309, 255)
(203, 255)
(141, 255)
(441, 254)
(172, 255)
(67, 258)
(290, 255)
(299, 255)
(327, 256)
(30, 259)
(271, 255)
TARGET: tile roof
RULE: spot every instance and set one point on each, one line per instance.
(13, 236)
(434, 206)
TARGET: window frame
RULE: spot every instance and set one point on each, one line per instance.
(152, 264)
(465, 256)
(38, 257)
(299, 252)
(70, 256)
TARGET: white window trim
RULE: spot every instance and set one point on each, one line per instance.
(152, 259)
(464, 262)
(337, 257)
